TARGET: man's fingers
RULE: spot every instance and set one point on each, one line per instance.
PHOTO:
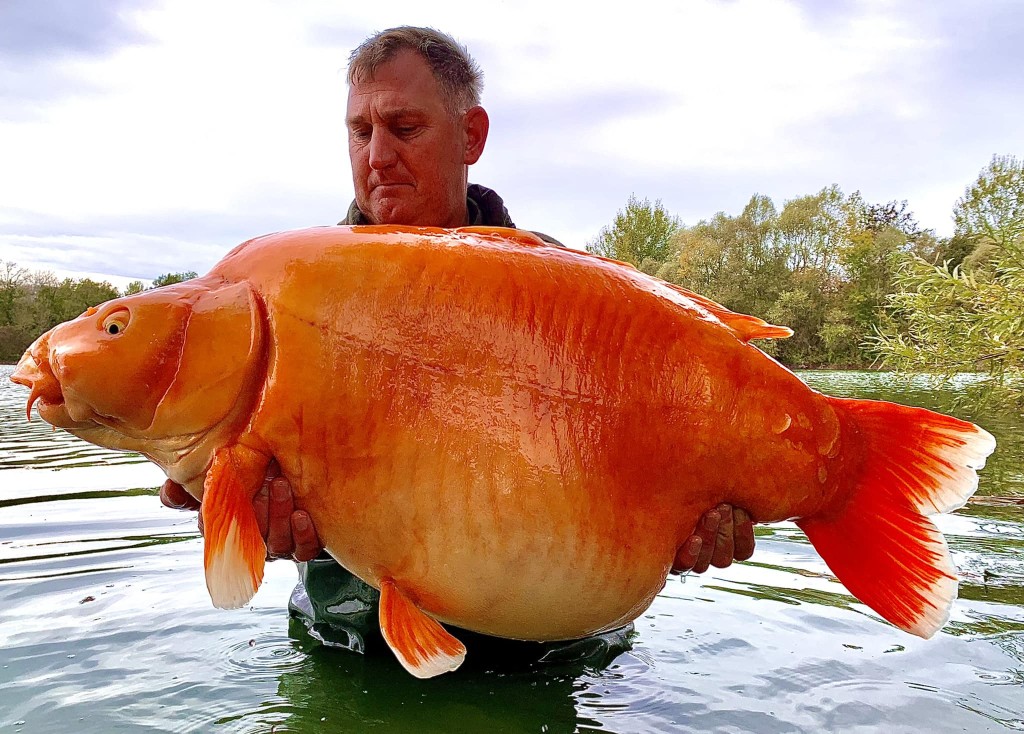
(173, 495)
(279, 529)
(707, 529)
(744, 535)
(722, 555)
(307, 544)
(261, 506)
(687, 554)
(723, 535)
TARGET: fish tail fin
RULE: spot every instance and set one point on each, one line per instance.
(234, 553)
(878, 539)
(421, 644)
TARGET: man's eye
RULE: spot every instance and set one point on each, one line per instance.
(407, 130)
(359, 135)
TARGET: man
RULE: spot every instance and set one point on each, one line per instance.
(415, 125)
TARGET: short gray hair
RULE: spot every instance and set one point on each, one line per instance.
(458, 75)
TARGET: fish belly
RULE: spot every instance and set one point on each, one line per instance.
(521, 443)
(477, 541)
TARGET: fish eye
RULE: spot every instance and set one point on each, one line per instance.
(116, 321)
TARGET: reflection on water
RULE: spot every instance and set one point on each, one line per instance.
(105, 626)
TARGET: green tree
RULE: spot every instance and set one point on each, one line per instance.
(949, 320)
(879, 217)
(704, 258)
(134, 287)
(738, 261)
(991, 210)
(779, 266)
(878, 237)
(641, 235)
(15, 299)
(171, 278)
(813, 229)
(13, 289)
(69, 299)
(870, 260)
(953, 250)
(34, 302)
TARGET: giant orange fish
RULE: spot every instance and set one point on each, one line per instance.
(498, 434)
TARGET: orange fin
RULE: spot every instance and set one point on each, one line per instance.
(234, 553)
(880, 544)
(506, 234)
(422, 645)
(743, 326)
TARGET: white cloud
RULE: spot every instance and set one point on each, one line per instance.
(214, 121)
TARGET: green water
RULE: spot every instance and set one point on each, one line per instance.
(106, 626)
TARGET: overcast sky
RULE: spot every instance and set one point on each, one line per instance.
(138, 138)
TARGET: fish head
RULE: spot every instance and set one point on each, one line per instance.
(172, 362)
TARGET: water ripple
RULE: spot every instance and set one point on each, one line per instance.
(106, 626)
(266, 657)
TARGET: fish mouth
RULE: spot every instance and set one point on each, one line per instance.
(34, 372)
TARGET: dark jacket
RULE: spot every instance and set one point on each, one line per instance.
(484, 208)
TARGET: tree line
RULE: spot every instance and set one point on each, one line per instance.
(32, 303)
(860, 283)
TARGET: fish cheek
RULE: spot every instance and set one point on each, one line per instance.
(122, 376)
(220, 364)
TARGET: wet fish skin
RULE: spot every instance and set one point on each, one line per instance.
(502, 435)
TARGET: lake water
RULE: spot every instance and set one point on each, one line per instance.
(106, 626)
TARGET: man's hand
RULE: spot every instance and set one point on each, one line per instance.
(723, 535)
(288, 533)
(173, 495)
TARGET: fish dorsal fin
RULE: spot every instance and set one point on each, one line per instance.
(420, 643)
(506, 234)
(743, 326)
(234, 552)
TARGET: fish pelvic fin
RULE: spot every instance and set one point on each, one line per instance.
(879, 542)
(420, 643)
(234, 553)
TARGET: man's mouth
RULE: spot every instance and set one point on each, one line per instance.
(390, 186)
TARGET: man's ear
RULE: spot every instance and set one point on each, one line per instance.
(477, 124)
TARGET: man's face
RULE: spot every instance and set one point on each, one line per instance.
(409, 154)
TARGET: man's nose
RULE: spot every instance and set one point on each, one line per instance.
(382, 150)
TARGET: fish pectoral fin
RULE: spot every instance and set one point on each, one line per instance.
(420, 643)
(234, 553)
